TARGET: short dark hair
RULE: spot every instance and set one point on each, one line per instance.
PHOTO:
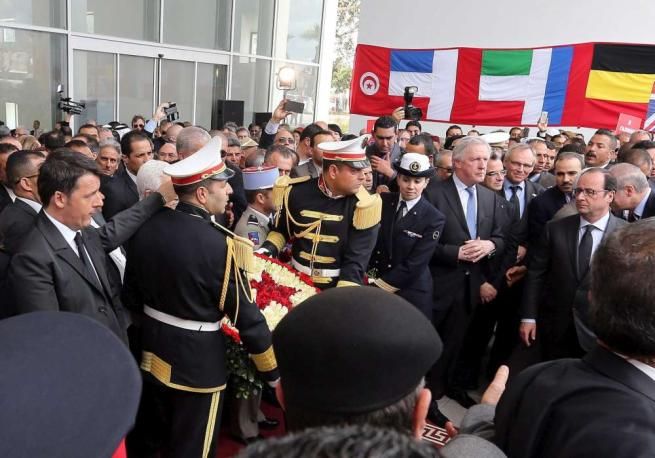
(413, 123)
(574, 147)
(385, 122)
(614, 142)
(454, 126)
(341, 441)
(281, 149)
(609, 183)
(448, 144)
(621, 314)
(87, 126)
(637, 156)
(644, 144)
(53, 140)
(309, 131)
(19, 165)
(251, 194)
(77, 143)
(425, 140)
(320, 132)
(6, 148)
(335, 128)
(188, 190)
(131, 137)
(397, 416)
(60, 172)
(135, 117)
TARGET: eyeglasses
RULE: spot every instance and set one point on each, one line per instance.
(29, 176)
(518, 165)
(137, 125)
(588, 192)
(497, 173)
(289, 141)
(446, 169)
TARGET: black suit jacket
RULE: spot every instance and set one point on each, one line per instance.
(120, 193)
(48, 275)
(16, 221)
(305, 170)
(531, 191)
(649, 208)
(598, 406)
(404, 248)
(542, 209)
(553, 289)
(451, 276)
(4, 198)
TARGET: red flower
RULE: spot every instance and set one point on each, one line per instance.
(231, 332)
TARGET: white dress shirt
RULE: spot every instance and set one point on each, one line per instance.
(131, 175)
(32, 203)
(10, 192)
(409, 204)
(116, 256)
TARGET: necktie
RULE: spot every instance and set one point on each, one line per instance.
(471, 220)
(632, 217)
(84, 257)
(514, 199)
(401, 210)
(584, 250)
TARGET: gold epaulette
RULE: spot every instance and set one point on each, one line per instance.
(241, 247)
(368, 210)
(282, 186)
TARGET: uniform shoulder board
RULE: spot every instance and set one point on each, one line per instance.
(368, 210)
(242, 249)
(282, 186)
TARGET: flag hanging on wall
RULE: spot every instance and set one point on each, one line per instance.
(587, 84)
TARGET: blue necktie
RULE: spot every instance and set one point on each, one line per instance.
(470, 213)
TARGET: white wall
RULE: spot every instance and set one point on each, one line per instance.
(501, 24)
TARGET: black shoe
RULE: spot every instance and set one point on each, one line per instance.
(435, 416)
(268, 395)
(268, 423)
(248, 440)
(461, 397)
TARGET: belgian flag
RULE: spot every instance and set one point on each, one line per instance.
(620, 80)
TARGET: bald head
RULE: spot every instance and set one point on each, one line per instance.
(190, 140)
(12, 141)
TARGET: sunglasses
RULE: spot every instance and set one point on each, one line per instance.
(137, 125)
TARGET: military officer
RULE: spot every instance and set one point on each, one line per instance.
(255, 222)
(184, 291)
(409, 234)
(332, 220)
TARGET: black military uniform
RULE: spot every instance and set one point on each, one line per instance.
(185, 290)
(407, 240)
(332, 237)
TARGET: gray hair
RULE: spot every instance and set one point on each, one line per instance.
(149, 177)
(110, 143)
(191, 139)
(629, 175)
(520, 147)
(570, 155)
(442, 154)
(465, 143)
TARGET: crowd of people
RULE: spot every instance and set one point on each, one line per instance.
(444, 264)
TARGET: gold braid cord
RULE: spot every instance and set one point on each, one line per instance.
(240, 260)
(309, 228)
(368, 210)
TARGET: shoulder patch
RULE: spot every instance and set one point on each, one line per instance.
(254, 237)
(252, 220)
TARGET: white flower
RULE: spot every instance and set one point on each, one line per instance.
(273, 314)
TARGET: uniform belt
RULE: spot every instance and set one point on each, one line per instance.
(191, 325)
(315, 272)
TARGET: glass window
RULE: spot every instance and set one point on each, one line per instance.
(134, 19)
(45, 13)
(136, 87)
(200, 24)
(177, 86)
(210, 87)
(253, 27)
(298, 29)
(95, 85)
(305, 91)
(250, 79)
(32, 64)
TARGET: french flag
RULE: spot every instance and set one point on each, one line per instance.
(649, 124)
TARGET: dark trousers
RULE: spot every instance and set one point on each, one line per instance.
(176, 424)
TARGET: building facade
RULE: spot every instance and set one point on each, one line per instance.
(123, 57)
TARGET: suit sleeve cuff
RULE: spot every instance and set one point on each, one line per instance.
(271, 128)
(528, 320)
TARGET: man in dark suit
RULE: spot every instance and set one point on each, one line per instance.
(634, 198)
(314, 167)
(384, 151)
(61, 264)
(120, 190)
(6, 194)
(472, 233)
(410, 231)
(545, 160)
(17, 219)
(542, 209)
(604, 404)
(555, 305)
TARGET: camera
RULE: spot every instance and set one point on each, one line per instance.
(171, 112)
(411, 112)
(68, 105)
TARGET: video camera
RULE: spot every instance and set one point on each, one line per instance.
(68, 105)
(411, 112)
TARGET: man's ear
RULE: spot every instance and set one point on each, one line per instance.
(420, 412)
(279, 394)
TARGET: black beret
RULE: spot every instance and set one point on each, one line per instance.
(69, 386)
(353, 350)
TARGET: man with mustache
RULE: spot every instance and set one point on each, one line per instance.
(601, 149)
